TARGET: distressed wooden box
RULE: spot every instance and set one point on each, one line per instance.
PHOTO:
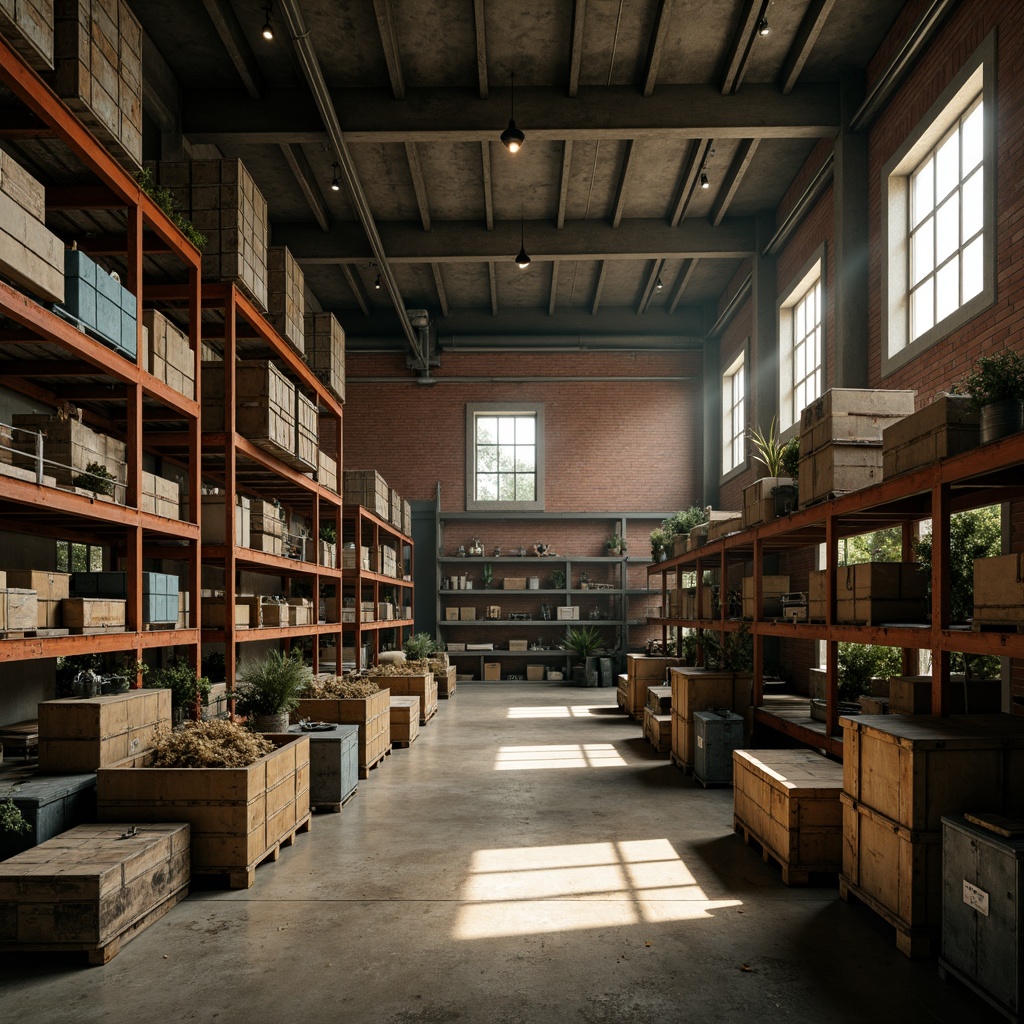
(759, 504)
(51, 804)
(168, 354)
(658, 730)
(160, 497)
(213, 616)
(333, 765)
(788, 800)
(874, 592)
(698, 689)
(28, 27)
(912, 695)
(851, 415)
(19, 610)
(837, 468)
(368, 488)
(286, 300)
(325, 351)
(306, 450)
(405, 719)
(999, 590)
(372, 714)
(772, 589)
(643, 671)
(422, 686)
(239, 816)
(948, 426)
(92, 888)
(81, 735)
(51, 588)
(93, 613)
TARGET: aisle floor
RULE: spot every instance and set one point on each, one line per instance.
(528, 859)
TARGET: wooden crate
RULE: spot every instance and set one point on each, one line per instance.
(682, 742)
(422, 686)
(913, 770)
(658, 730)
(70, 446)
(93, 613)
(81, 735)
(51, 588)
(30, 253)
(404, 719)
(168, 354)
(51, 804)
(446, 681)
(306, 450)
(684, 602)
(721, 527)
(895, 871)
(213, 616)
(788, 800)
(772, 589)
(160, 497)
(222, 201)
(368, 488)
(698, 689)
(643, 671)
(912, 695)
(851, 414)
(213, 519)
(874, 592)
(92, 888)
(395, 508)
(659, 699)
(98, 61)
(264, 407)
(759, 505)
(286, 299)
(239, 816)
(325, 351)
(327, 470)
(948, 426)
(371, 714)
(27, 26)
(837, 468)
(19, 610)
(999, 589)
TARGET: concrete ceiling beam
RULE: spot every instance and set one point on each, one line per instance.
(237, 46)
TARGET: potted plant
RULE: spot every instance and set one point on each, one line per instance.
(188, 689)
(419, 647)
(584, 642)
(11, 818)
(268, 689)
(996, 386)
(777, 486)
(679, 524)
(659, 541)
(615, 545)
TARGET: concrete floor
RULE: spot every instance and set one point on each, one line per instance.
(528, 859)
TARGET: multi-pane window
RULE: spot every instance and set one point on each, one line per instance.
(75, 557)
(734, 423)
(807, 349)
(947, 215)
(505, 456)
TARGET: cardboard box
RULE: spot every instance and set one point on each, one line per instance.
(518, 645)
(492, 670)
(514, 583)
(534, 673)
(451, 615)
(467, 614)
(566, 613)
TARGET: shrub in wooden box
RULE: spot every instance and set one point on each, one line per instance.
(18, 610)
(763, 498)
(98, 59)
(875, 592)
(772, 589)
(93, 614)
(643, 671)
(912, 695)
(214, 524)
(788, 800)
(30, 253)
(999, 589)
(372, 714)
(697, 537)
(404, 719)
(92, 888)
(28, 27)
(169, 356)
(851, 414)
(264, 407)
(213, 616)
(422, 686)
(68, 446)
(51, 804)
(325, 351)
(83, 734)
(222, 201)
(51, 588)
(286, 300)
(837, 468)
(368, 488)
(306, 449)
(239, 816)
(948, 426)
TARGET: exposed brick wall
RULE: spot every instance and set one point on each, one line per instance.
(822, 150)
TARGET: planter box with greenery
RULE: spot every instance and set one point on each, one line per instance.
(369, 709)
(948, 426)
(996, 386)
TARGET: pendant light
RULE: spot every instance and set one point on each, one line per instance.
(335, 184)
(523, 259)
(268, 29)
(512, 138)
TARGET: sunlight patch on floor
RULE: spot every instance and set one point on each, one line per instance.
(530, 890)
(556, 711)
(558, 755)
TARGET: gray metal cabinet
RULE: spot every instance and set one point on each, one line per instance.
(716, 734)
(333, 765)
(981, 912)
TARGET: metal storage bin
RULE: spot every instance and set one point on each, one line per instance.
(981, 911)
(717, 733)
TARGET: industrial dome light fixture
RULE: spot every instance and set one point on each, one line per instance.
(704, 183)
(523, 259)
(268, 29)
(658, 284)
(335, 184)
(376, 284)
(762, 27)
(512, 137)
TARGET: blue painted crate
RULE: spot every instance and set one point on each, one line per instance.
(100, 302)
(159, 608)
(161, 583)
(51, 804)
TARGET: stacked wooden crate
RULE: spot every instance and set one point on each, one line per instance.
(28, 26)
(224, 204)
(901, 774)
(101, 303)
(767, 498)
(69, 446)
(643, 671)
(912, 695)
(948, 426)
(658, 718)
(368, 488)
(999, 591)
(98, 59)
(694, 689)
(841, 440)
(159, 496)
(266, 527)
(871, 593)
(329, 454)
(286, 300)
(51, 589)
(30, 253)
(168, 355)
(372, 714)
(19, 610)
(306, 448)
(772, 589)
(214, 613)
(404, 720)
(83, 734)
(325, 351)
(789, 801)
(213, 519)
(422, 686)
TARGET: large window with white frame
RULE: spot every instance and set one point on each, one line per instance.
(505, 456)
(734, 419)
(801, 342)
(939, 217)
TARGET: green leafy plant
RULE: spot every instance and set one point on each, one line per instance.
(683, 522)
(768, 449)
(557, 579)
(329, 533)
(615, 542)
(11, 818)
(858, 664)
(583, 641)
(659, 541)
(186, 686)
(994, 378)
(215, 666)
(419, 646)
(738, 650)
(96, 478)
(273, 685)
(687, 645)
(164, 198)
(789, 463)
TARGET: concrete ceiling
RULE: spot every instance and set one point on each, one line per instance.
(623, 102)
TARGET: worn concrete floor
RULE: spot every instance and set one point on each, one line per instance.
(528, 859)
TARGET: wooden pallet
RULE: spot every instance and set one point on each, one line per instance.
(364, 773)
(790, 875)
(911, 942)
(334, 808)
(245, 879)
(404, 744)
